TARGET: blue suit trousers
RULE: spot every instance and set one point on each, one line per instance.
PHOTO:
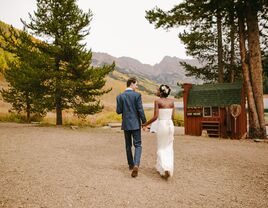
(136, 136)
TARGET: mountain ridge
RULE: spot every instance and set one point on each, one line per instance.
(167, 71)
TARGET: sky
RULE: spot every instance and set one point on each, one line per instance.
(118, 27)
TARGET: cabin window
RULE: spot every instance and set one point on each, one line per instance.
(195, 111)
(215, 111)
(207, 111)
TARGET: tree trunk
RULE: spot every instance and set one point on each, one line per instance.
(232, 37)
(252, 111)
(255, 63)
(58, 92)
(28, 108)
(251, 133)
(220, 48)
(58, 112)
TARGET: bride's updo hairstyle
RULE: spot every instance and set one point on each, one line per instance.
(164, 90)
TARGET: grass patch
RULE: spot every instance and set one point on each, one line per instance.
(103, 119)
(97, 120)
(18, 118)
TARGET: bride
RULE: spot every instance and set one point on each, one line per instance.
(164, 111)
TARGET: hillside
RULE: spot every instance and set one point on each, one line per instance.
(117, 81)
(4, 56)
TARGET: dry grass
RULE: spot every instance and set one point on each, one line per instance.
(99, 119)
(119, 86)
(108, 115)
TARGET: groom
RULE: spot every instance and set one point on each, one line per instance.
(130, 105)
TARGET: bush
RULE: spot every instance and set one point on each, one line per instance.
(19, 118)
(12, 117)
(178, 121)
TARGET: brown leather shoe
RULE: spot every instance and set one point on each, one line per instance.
(130, 167)
(135, 171)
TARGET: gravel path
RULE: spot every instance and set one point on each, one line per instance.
(49, 167)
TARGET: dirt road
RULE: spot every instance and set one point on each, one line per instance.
(47, 167)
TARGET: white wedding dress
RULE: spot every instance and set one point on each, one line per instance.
(165, 137)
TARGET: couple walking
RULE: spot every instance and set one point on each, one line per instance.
(129, 104)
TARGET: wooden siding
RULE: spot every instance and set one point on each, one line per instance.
(193, 124)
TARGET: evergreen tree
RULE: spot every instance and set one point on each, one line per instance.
(74, 83)
(25, 74)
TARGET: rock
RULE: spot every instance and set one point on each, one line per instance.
(106, 127)
(114, 125)
(261, 140)
(204, 133)
(35, 122)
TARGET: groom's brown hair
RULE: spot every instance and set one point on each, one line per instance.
(131, 80)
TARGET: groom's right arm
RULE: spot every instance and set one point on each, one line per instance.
(118, 105)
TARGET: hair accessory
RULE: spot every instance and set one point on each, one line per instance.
(165, 89)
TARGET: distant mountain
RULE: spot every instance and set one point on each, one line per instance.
(168, 71)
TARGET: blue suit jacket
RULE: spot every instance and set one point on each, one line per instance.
(129, 104)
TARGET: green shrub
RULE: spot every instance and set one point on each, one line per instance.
(178, 121)
(12, 117)
(19, 118)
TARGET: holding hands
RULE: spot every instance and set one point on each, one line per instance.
(145, 127)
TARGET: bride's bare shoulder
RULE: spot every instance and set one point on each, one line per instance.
(171, 100)
(158, 102)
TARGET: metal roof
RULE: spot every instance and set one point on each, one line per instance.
(220, 94)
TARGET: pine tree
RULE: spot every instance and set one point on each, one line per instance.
(74, 83)
(25, 74)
